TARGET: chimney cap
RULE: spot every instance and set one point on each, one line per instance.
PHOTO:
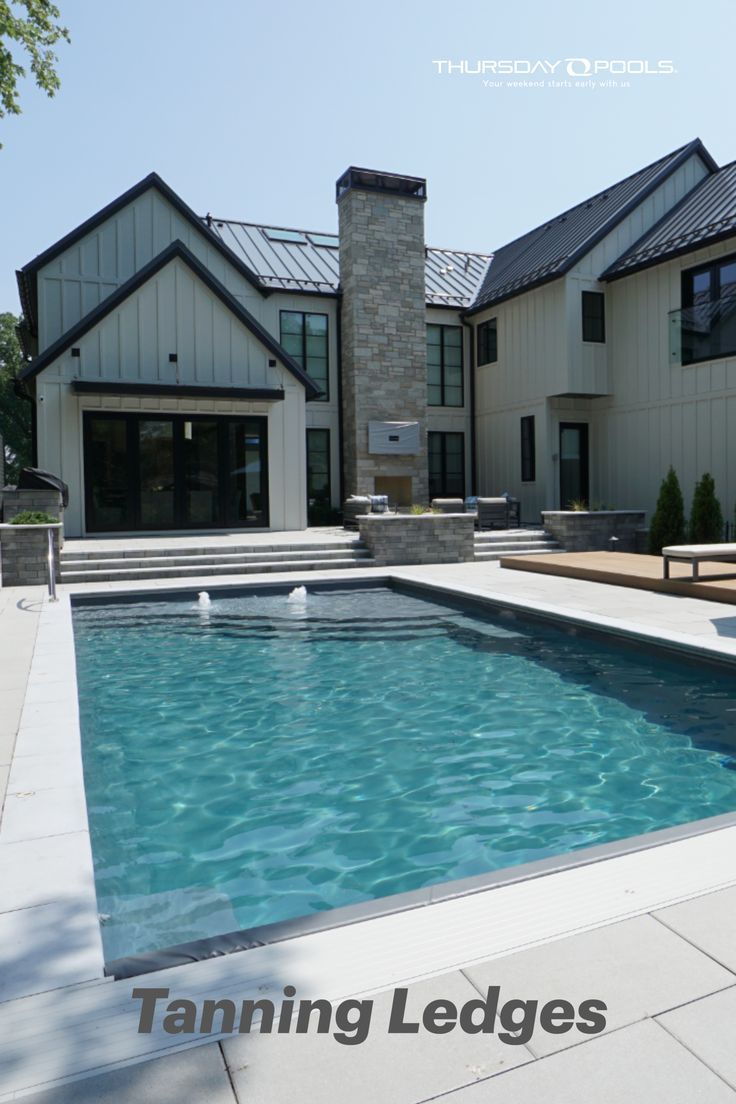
(373, 180)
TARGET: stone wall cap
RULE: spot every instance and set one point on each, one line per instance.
(591, 513)
(43, 525)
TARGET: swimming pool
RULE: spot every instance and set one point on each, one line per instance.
(261, 759)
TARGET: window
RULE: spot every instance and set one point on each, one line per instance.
(305, 337)
(446, 465)
(594, 318)
(318, 466)
(444, 365)
(709, 314)
(528, 450)
(488, 342)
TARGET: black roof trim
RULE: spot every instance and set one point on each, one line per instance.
(98, 387)
(672, 163)
(27, 274)
(614, 272)
(179, 250)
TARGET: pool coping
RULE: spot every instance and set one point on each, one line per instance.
(51, 665)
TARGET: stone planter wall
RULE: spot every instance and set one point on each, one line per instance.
(24, 554)
(591, 530)
(14, 501)
(418, 538)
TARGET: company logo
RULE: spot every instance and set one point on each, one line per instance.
(578, 68)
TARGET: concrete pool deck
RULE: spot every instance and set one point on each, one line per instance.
(650, 932)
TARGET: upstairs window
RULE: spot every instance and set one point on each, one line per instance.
(488, 342)
(709, 311)
(594, 316)
(304, 336)
(444, 366)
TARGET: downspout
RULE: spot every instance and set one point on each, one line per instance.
(341, 475)
(473, 446)
(22, 392)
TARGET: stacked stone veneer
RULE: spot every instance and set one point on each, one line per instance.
(24, 551)
(15, 501)
(384, 344)
(418, 538)
(591, 531)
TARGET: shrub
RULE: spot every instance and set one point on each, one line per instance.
(706, 516)
(33, 517)
(578, 506)
(668, 523)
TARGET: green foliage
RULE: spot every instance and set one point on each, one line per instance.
(15, 413)
(578, 505)
(706, 516)
(668, 523)
(33, 517)
(31, 25)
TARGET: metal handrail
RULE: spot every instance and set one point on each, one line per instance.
(52, 567)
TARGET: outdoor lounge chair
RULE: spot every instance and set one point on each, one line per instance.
(695, 554)
(449, 505)
(493, 512)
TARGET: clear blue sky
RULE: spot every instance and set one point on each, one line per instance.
(251, 110)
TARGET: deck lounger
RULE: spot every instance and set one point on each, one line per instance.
(696, 554)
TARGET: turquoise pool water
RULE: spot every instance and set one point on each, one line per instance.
(263, 759)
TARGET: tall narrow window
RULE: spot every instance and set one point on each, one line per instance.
(528, 450)
(594, 319)
(444, 365)
(304, 336)
(446, 453)
(488, 342)
(318, 467)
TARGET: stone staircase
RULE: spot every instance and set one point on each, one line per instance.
(492, 544)
(163, 561)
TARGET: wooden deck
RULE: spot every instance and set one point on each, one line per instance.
(717, 582)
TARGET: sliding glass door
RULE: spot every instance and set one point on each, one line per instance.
(174, 471)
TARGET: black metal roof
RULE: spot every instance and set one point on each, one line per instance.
(551, 250)
(706, 214)
(452, 276)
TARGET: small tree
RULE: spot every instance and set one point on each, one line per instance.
(668, 523)
(706, 516)
(15, 413)
(30, 26)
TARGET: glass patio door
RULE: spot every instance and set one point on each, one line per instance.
(174, 471)
(573, 463)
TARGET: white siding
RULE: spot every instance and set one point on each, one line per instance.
(86, 273)
(173, 312)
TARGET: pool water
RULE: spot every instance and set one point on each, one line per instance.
(263, 759)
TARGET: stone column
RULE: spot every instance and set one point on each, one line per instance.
(384, 353)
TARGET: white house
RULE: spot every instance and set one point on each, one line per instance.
(195, 373)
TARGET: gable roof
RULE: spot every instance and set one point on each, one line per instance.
(176, 250)
(552, 249)
(287, 259)
(26, 275)
(706, 214)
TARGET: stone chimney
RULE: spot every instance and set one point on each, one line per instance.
(384, 343)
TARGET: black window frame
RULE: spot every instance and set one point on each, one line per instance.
(442, 491)
(593, 320)
(487, 341)
(302, 358)
(313, 499)
(443, 385)
(687, 279)
(528, 449)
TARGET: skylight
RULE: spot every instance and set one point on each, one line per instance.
(330, 240)
(285, 235)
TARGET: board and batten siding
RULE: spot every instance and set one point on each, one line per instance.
(661, 412)
(173, 312)
(72, 284)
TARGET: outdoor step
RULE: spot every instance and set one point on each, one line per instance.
(132, 562)
(507, 546)
(200, 571)
(76, 554)
(504, 535)
(496, 555)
